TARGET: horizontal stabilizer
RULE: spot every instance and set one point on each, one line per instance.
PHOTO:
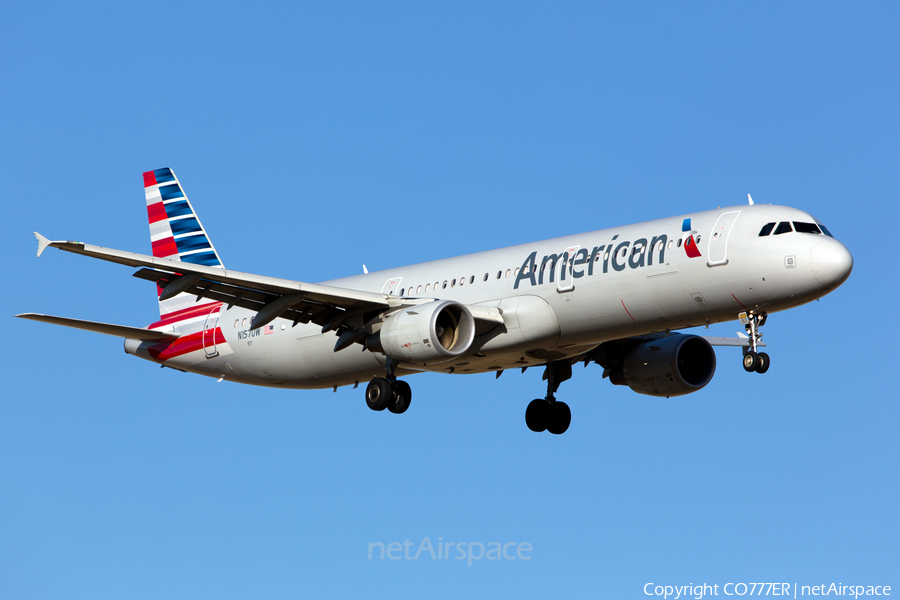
(727, 341)
(123, 331)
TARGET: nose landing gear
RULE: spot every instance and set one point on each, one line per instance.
(388, 392)
(753, 360)
(548, 414)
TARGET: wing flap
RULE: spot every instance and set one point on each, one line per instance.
(123, 331)
(320, 313)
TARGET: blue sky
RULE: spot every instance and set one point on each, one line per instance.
(312, 139)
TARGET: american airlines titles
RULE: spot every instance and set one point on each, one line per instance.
(586, 262)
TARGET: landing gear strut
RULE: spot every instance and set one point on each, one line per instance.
(548, 414)
(753, 360)
(388, 392)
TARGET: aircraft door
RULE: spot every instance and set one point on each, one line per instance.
(564, 280)
(209, 333)
(718, 241)
(391, 287)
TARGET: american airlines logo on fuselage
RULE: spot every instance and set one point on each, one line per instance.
(601, 258)
(690, 244)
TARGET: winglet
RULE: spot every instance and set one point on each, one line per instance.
(42, 242)
(750, 199)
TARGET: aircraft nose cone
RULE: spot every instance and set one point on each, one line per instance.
(831, 263)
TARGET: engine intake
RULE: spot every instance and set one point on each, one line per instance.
(430, 333)
(674, 365)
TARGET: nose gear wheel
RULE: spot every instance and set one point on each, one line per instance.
(754, 360)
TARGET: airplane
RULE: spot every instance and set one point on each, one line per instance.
(614, 297)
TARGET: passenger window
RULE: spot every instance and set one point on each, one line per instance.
(507, 273)
(783, 227)
(418, 289)
(806, 228)
(671, 242)
(236, 323)
(767, 229)
(244, 322)
(499, 274)
(427, 287)
(445, 285)
(485, 276)
(453, 283)
(472, 279)
(516, 272)
(462, 281)
(678, 243)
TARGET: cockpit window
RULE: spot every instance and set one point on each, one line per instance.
(806, 228)
(766, 230)
(825, 230)
(783, 227)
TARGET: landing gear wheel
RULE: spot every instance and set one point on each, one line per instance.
(751, 361)
(537, 415)
(561, 417)
(754, 360)
(547, 414)
(379, 393)
(402, 396)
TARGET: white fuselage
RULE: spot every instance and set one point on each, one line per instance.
(602, 285)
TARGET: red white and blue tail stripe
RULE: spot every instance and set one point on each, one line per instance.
(175, 231)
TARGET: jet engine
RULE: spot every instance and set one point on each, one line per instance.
(674, 365)
(426, 334)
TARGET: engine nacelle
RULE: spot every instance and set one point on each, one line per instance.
(674, 365)
(426, 334)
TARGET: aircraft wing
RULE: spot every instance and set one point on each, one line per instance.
(136, 333)
(335, 309)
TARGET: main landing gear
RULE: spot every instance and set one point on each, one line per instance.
(548, 414)
(753, 360)
(388, 392)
